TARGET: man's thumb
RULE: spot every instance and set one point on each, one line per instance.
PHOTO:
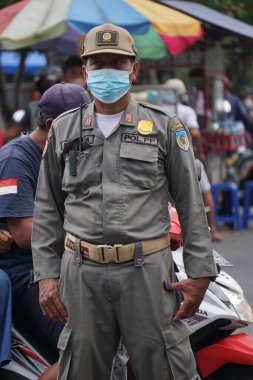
(176, 285)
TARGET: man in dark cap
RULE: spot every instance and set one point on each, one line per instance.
(72, 70)
(19, 167)
(25, 120)
(104, 188)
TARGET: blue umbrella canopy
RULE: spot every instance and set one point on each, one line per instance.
(9, 61)
(83, 16)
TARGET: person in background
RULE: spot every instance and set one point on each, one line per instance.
(72, 70)
(103, 189)
(25, 120)
(5, 237)
(20, 160)
(237, 109)
(5, 318)
(5, 300)
(186, 114)
(189, 118)
(247, 100)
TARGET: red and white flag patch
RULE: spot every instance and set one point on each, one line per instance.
(8, 186)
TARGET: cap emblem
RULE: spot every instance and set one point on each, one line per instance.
(107, 38)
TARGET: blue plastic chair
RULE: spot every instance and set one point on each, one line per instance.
(231, 211)
(248, 188)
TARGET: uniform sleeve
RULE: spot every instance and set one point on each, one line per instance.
(16, 189)
(184, 188)
(48, 233)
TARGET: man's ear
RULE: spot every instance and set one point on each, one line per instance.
(134, 72)
(84, 72)
(48, 123)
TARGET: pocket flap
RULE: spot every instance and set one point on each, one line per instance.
(67, 145)
(64, 338)
(139, 152)
(175, 334)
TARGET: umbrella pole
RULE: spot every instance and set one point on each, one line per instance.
(6, 110)
(19, 77)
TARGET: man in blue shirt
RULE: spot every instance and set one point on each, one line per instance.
(237, 110)
(19, 166)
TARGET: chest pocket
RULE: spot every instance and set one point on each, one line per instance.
(88, 170)
(139, 165)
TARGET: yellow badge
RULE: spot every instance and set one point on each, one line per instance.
(145, 127)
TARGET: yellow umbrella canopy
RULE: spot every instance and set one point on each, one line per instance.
(166, 20)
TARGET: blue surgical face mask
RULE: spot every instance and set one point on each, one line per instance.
(108, 85)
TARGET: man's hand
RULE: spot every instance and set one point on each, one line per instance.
(193, 291)
(49, 300)
(6, 240)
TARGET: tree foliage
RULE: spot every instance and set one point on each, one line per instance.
(238, 52)
(239, 9)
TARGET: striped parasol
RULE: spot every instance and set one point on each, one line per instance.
(62, 24)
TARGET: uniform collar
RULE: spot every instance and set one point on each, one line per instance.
(89, 120)
(129, 117)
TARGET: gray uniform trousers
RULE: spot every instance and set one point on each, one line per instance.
(106, 300)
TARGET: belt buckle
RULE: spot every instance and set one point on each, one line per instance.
(70, 244)
(110, 253)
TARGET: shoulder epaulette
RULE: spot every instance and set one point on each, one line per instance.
(157, 108)
(66, 113)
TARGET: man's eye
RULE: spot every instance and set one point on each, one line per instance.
(95, 62)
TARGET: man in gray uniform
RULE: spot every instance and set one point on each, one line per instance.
(103, 193)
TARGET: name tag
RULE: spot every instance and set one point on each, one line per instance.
(138, 139)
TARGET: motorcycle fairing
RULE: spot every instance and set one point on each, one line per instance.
(233, 349)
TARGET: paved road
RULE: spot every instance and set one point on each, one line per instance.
(237, 247)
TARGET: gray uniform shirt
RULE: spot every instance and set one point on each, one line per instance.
(120, 191)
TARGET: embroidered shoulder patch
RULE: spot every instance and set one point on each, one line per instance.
(182, 140)
(177, 127)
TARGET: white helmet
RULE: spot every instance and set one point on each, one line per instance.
(176, 85)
